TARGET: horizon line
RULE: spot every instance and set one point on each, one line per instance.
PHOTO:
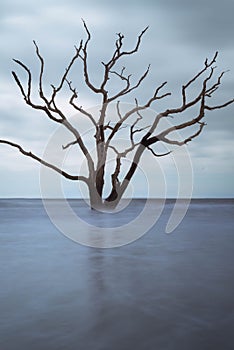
(125, 198)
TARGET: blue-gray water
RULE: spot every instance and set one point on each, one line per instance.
(162, 292)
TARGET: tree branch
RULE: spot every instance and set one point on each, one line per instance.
(215, 86)
(126, 151)
(85, 63)
(156, 154)
(115, 57)
(200, 98)
(41, 93)
(69, 144)
(43, 162)
(210, 108)
(27, 97)
(80, 109)
(64, 77)
(48, 103)
(195, 77)
(197, 120)
(188, 139)
(128, 87)
(18, 81)
(137, 109)
(119, 43)
(47, 108)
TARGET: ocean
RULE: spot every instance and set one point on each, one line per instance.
(160, 292)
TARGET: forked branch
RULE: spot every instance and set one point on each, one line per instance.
(43, 162)
(137, 109)
(50, 107)
(199, 99)
(79, 108)
(84, 58)
(128, 88)
(140, 136)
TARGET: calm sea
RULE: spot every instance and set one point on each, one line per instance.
(162, 292)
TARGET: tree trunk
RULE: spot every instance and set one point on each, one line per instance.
(97, 182)
(96, 202)
(100, 179)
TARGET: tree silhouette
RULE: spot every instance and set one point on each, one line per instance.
(141, 138)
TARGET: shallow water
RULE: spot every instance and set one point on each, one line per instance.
(163, 292)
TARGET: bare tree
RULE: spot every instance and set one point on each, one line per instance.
(106, 131)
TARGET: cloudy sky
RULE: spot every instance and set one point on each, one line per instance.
(182, 33)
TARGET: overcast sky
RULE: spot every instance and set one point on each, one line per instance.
(181, 35)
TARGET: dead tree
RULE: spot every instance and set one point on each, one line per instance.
(106, 131)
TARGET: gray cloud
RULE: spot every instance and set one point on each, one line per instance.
(181, 34)
(202, 22)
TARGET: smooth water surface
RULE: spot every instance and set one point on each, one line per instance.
(162, 292)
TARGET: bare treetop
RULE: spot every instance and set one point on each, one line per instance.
(141, 137)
